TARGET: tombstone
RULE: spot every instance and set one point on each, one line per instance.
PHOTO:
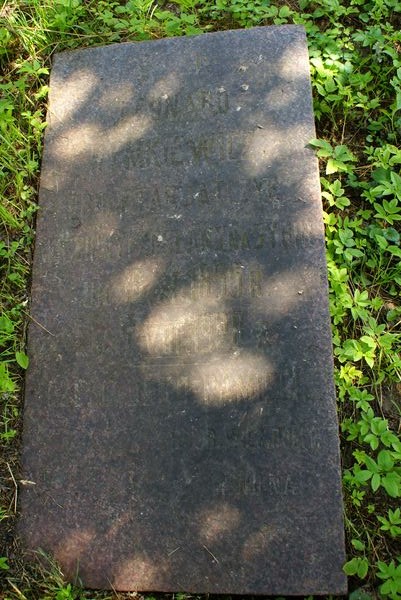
(180, 427)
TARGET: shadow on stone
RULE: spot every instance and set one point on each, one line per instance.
(180, 421)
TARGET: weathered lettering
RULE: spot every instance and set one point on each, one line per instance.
(180, 423)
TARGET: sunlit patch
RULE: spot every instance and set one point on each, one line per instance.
(117, 96)
(50, 179)
(298, 170)
(231, 378)
(262, 149)
(195, 320)
(308, 195)
(196, 328)
(165, 87)
(127, 130)
(93, 140)
(292, 63)
(135, 280)
(136, 573)
(281, 293)
(276, 148)
(258, 542)
(184, 331)
(71, 548)
(217, 521)
(75, 91)
(75, 140)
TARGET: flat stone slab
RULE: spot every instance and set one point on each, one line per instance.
(180, 424)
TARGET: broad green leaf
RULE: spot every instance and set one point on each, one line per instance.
(386, 588)
(392, 234)
(358, 545)
(363, 568)
(371, 464)
(351, 567)
(6, 324)
(316, 143)
(394, 515)
(385, 461)
(370, 361)
(391, 483)
(336, 188)
(395, 251)
(369, 341)
(363, 475)
(332, 166)
(284, 12)
(375, 482)
(22, 359)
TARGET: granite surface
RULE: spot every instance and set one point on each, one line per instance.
(180, 426)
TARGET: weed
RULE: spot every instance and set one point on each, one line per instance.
(391, 574)
(392, 523)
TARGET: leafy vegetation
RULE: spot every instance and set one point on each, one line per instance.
(355, 57)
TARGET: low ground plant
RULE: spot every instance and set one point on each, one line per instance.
(355, 59)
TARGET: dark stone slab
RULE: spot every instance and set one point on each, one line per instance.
(180, 424)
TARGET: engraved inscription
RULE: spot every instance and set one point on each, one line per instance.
(261, 437)
(188, 192)
(201, 102)
(204, 335)
(184, 339)
(268, 235)
(237, 282)
(177, 150)
(248, 484)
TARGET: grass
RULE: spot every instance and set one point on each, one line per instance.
(355, 57)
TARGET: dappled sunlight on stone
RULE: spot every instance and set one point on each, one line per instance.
(258, 543)
(117, 96)
(76, 141)
(303, 182)
(135, 280)
(304, 218)
(76, 90)
(180, 415)
(168, 85)
(69, 551)
(197, 325)
(282, 292)
(127, 130)
(217, 521)
(98, 141)
(134, 570)
(194, 321)
(183, 331)
(262, 151)
(291, 65)
(231, 378)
